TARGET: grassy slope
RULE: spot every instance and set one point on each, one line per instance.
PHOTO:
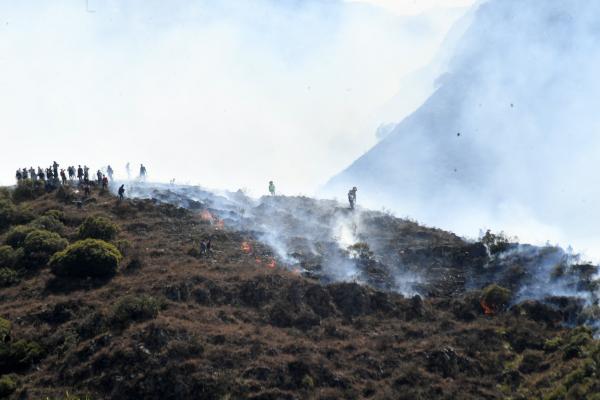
(232, 328)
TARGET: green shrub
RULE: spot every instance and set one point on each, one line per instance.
(7, 386)
(4, 193)
(58, 214)
(48, 223)
(5, 329)
(135, 308)
(8, 277)
(9, 257)
(575, 345)
(16, 236)
(89, 257)
(28, 190)
(98, 228)
(7, 213)
(25, 352)
(19, 355)
(39, 246)
(495, 298)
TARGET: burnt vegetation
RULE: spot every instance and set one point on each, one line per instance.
(114, 300)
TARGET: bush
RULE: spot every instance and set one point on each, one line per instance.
(19, 355)
(135, 308)
(48, 223)
(28, 190)
(7, 213)
(123, 245)
(39, 246)
(8, 277)
(89, 257)
(496, 243)
(9, 257)
(23, 215)
(5, 329)
(59, 215)
(495, 298)
(16, 236)
(7, 386)
(98, 228)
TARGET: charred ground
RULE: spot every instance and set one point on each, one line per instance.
(245, 323)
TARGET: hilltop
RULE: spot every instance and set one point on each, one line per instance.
(299, 298)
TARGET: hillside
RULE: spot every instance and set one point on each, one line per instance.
(299, 298)
(507, 139)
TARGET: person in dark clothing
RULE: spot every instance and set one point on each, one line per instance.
(63, 176)
(104, 182)
(41, 175)
(71, 171)
(18, 175)
(55, 169)
(143, 172)
(203, 248)
(87, 191)
(99, 176)
(352, 197)
(24, 173)
(121, 192)
(80, 174)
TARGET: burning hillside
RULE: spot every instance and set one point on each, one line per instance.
(295, 298)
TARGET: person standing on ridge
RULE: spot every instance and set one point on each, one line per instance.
(80, 174)
(32, 174)
(55, 169)
(99, 176)
(142, 172)
(104, 182)
(63, 176)
(352, 197)
(272, 188)
(121, 192)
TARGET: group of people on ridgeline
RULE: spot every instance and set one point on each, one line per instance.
(52, 177)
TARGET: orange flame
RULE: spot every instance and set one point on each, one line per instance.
(207, 216)
(486, 309)
(246, 247)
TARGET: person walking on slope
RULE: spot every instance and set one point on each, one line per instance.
(63, 176)
(110, 172)
(142, 172)
(104, 182)
(121, 192)
(272, 188)
(352, 197)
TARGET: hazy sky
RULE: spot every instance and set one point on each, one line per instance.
(225, 94)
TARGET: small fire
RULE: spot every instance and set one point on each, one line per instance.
(246, 247)
(486, 309)
(207, 216)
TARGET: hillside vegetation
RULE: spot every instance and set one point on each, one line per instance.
(114, 300)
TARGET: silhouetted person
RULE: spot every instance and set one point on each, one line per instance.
(71, 171)
(99, 176)
(352, 197)
(63, 176)
(19, 175)
(55, 169)
(121, 192)
(80, 174)
(104, 182)
(272, 188)
(110, 172)
(32, 174)
(24, 173)
(142, 172)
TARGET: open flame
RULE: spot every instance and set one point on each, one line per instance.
(486, 308)
(207, 216)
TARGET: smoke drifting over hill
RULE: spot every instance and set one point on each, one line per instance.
(508, 140)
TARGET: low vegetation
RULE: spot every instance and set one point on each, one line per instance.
(98, 227)
(86, 258)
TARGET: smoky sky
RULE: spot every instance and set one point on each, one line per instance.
(509, 140)
(226, 94)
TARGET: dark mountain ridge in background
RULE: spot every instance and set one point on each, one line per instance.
(508, 139)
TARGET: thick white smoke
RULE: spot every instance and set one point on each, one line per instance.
(509, 140)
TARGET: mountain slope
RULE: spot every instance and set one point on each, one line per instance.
(248, 322)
